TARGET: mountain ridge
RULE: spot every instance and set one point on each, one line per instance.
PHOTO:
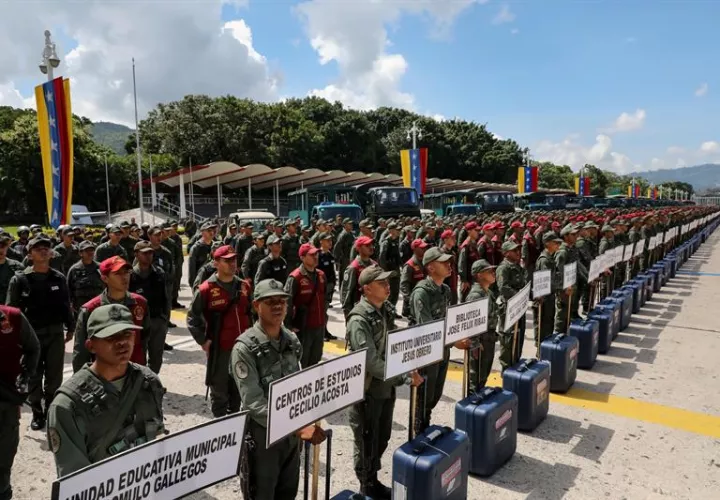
(704, 176)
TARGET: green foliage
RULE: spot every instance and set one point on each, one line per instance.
(112, 135)
(555, 176)
(21, 174)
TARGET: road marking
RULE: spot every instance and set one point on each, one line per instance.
(675, 418)
(667, 416)
(697, 273)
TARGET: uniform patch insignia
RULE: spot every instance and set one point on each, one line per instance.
(115, 314)
(138, 312)
(241, 370)
(54, 439)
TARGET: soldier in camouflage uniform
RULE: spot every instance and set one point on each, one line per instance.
(389, 259)
(290, 245)
(607, 242)
(511, 278)
(266, 352)
(200, 253)
(244, 241)
(412, 273)
(482, 347)
(127, 240)
(253, 256)
(587, 251)
(85, 423)
(634, 237)
(68, 250)
(546, 262)
(112, 247)
(83, 278)
(564, 256)
(428, 302)
(371, 419)
(343, 248)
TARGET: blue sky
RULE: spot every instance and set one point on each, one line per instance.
(627, 85)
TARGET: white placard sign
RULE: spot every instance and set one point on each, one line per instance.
(164, 469)
(627, 252)
(314, 393)
(466, 320)
(414, 348)
(618, 254)
(542, 283)
(516, 307)
(594, 270)
(569, 275)
(639, 247)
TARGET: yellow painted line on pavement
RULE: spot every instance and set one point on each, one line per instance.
(675, 418)
(667, 416)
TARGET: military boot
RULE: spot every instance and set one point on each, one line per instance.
(378, 491)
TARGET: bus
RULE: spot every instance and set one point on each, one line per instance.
(452, 203)
(531, 201)
(557, 201)
(324, 203)
(495, 201)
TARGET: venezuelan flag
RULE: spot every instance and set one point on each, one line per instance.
(527, 179)
(405, 164)
(521, 180)
(55, 129)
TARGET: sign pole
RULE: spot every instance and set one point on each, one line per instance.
(466, 375)
(567, 326)
(539, 329)
(413, 410)
(515, 336)
(315, 468)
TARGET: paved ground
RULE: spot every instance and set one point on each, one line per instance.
(643, 424)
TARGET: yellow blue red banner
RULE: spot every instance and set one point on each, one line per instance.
(414, 164)
(54, 114)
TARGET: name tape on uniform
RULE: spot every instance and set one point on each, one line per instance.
(542, 283)
(569, 275)
(312, 394)
(413, 348)
(164, 469)
(517, 307)
(466, 320)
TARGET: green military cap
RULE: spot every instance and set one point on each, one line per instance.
(143, 246)
(392, 225)
(591, 225)
(634, 220)
(551, 236)
(208, 226)
(568, 229)
(258, 236)
(509, 246)
(374, 273)
(305, 228)
(109, 320)
(277, 223)
(154, 230)
(273, 239)
(325, 235)
(381, 220)
(115, 229)
(290, 222)
(168, 225)
(320, 221)
(365, 223)
(230, 226)
(39, 241)
(607, 228)
(481, 265)
(347, 220)
(247, 224)
(409, 228)
(433, 254)
(5, 238)
(269, 288)
(124, 224)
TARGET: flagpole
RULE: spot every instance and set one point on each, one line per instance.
(107, 188)
(137, 148)
(152, 191)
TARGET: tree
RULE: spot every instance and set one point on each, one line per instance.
(553, 176)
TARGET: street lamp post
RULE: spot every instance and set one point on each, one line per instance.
(415, 133)
(50, 59)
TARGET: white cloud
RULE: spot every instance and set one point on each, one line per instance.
(701, 90)
(498, 137)
(710, 147)
(657, 163)
(675, 150)
(627, 122)
(571, 152)
(180, 48)
(504, 15)
(438, 117)
(514, 31)
(10, 96)
(354, 36)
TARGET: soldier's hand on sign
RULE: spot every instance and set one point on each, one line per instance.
(416, 379)
(569, 291)
(312, 433)
(465, 286)
(206, 346)
(69, 336)
(464, 344)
